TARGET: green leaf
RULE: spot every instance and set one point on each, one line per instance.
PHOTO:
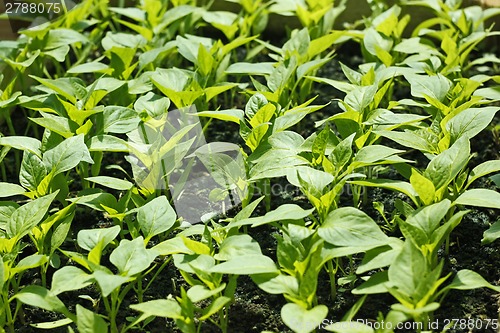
(122, 40)
(408, 269)
(205, 60)
(376, 284)
(467, 279)
(108, 143)
(111, 182)
(372, 154)
(63, 37)
(88, 239)
(429, 218)
(89, 322)
(42, 298)
(242, 68)
(8, 190)
(282, 213)
(69, 278)
(373, 40)
(342, 153)
(22, 143)
(52, 324)
(445, 167)
(96, 200)
(167, 308)
(408, 139)
(237, 246)
(350, 227)
(155, 217)
(90, 67)
(119, 119)
(108, 282)
(254, 104)
(215, 307)
(288, 140)
(434, 86)
(28, 216)
(312, 180)
(199, 293)
(380, 257)
(479, 198)
(32, 171)
(423, 186)
(360, 97)
(301, 320)
(246, 265)
(67, 155)
(277, 284)
(60, 125)
(391, 184)
(470, 122)
(172, 246)
(154, 105)
(131, 257)
(483, 169)
(32, 261)
(63, 86)
(492, 234)
(232, 115)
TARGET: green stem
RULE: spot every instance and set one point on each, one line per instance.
(8, 312)
(331, 273)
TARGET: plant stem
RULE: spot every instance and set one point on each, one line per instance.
(331, 272)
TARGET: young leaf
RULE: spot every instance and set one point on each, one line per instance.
(69, 278)
(470, 122)
(215, 307)
(435, 86)
(254, 104)
(9, 190)
(32, 171)
(237, 246)
(119, 119)
(88, 239)
(22, 143)
(446, 166)
(42, 298)
(111, 182)
(423, 187)
(89, 322)
(108, 282)
(155, 217)
(168, 308)
(350, 227)
(467, 279)
(67, 155)
(246, 265)
(492, 234)
(483, 169)
(131, 257)
(479, 198)
(28, 216)
(408, 269)
(302, 320)
(32, 261)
